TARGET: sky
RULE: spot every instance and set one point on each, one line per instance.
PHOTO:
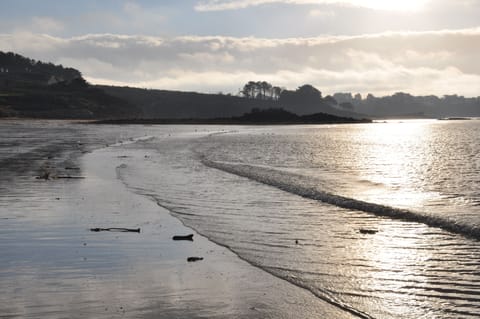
(422, 47)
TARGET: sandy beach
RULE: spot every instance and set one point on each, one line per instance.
(53, 266)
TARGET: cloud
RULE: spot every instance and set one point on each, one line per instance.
(440, 62)
(37, 24)
(46, 24)
(221, 5)
(325, 14)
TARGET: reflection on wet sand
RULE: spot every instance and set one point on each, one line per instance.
(53, 266)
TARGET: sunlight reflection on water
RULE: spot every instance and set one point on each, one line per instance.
(401, 270)
(393, 269)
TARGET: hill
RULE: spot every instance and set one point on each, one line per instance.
(165, 104)
(17, 70)
(157, 104)
(30, 88)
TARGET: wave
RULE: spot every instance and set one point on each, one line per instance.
(292, 183)
(186, 211)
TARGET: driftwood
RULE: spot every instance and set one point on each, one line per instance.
(119, 229)
(48, 176)
(367, 231)
(192, 259)
(68, 177)
(186, 237)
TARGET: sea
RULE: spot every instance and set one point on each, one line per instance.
(381, 220)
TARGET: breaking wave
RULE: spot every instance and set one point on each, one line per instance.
(292, 183)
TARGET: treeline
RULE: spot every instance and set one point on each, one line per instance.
(16, 69)
(258, 95)
(261, 90)
(72, 100)
(30, 88)
(403, 104)
(306, 99)
(305, 94)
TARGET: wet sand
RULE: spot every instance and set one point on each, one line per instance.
(53, 266)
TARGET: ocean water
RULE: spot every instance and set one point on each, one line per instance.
(381, 220)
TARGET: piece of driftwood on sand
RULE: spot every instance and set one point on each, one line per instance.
(119, 229)
(185, 237)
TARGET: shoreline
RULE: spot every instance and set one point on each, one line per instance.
(219, 122)
(56, 267)
(255, 292)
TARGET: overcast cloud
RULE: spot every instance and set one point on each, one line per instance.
(219, 5)
(442, 62)
(366, 46)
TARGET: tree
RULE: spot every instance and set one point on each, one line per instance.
(261, 90)
(276, 92)
(330, 100)
(305, 94)
(266, 89)
(287, 97)
(249, 89)
(308, 94)
(346, 106)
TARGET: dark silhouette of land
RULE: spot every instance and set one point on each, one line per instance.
(255, 117)
(404, 105)
(181, 105)
(34, 89)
